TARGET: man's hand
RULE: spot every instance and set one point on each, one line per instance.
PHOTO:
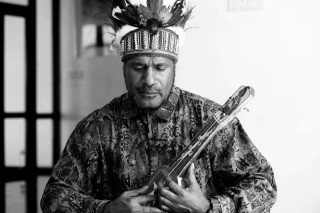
(177, 199)
(132, 202)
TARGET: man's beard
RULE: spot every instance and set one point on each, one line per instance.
(150, 109)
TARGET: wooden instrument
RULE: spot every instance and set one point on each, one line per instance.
(214, 124)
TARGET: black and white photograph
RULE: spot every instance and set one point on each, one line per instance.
(162, 106)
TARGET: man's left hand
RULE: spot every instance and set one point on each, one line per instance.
(178, 199)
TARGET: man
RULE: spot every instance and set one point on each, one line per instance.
(112, 153)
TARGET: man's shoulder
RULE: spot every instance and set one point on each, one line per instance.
(195, 99)
(201, 105)
(109, 111)
(115, 107)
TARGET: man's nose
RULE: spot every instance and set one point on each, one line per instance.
(149, 78)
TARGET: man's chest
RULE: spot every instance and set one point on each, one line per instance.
(141, 146)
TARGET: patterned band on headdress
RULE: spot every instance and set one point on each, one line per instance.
(142, 42)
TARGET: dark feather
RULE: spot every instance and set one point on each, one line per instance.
(120, 3)
(155, 6)
(145, 12)
(129, 14)
(178, 5)
(176, 12)
(184, 18)
(127, 18)
(154, 15)
(179, 18)
(106, 16)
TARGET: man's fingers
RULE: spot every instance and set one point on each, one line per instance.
(170, 206)
(191, 169)
(174, 187)
(167, 194)
(165, 204)
(148, 209)
(143, 199)
(164, 208)
(136, 192)
(191, 176)
(160, 184)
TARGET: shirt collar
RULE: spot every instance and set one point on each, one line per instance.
(129, 109)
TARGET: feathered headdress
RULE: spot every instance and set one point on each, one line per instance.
(152, 22)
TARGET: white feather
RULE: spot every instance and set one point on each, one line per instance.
(123, 31)
(116, 10)
(180, 32)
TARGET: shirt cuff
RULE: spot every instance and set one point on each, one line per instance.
(215, 206)
(226, 204)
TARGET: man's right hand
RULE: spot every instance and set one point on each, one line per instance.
(132, 202)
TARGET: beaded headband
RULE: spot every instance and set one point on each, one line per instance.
(152, 20)
(141, 42)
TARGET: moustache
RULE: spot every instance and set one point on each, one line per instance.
(147, 89)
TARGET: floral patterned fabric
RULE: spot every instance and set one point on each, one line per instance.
(117, 148)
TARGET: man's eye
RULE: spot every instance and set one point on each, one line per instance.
(138, 67)
(161, 67)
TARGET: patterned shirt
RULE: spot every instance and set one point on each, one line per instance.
(117, 147)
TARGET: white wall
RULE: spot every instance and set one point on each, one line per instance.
(275, 50)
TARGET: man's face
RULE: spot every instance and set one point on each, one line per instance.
(149, 80)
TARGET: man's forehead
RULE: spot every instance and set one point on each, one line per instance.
(150, 60)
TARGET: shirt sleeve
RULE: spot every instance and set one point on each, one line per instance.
(75, 182)
(242, 177)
